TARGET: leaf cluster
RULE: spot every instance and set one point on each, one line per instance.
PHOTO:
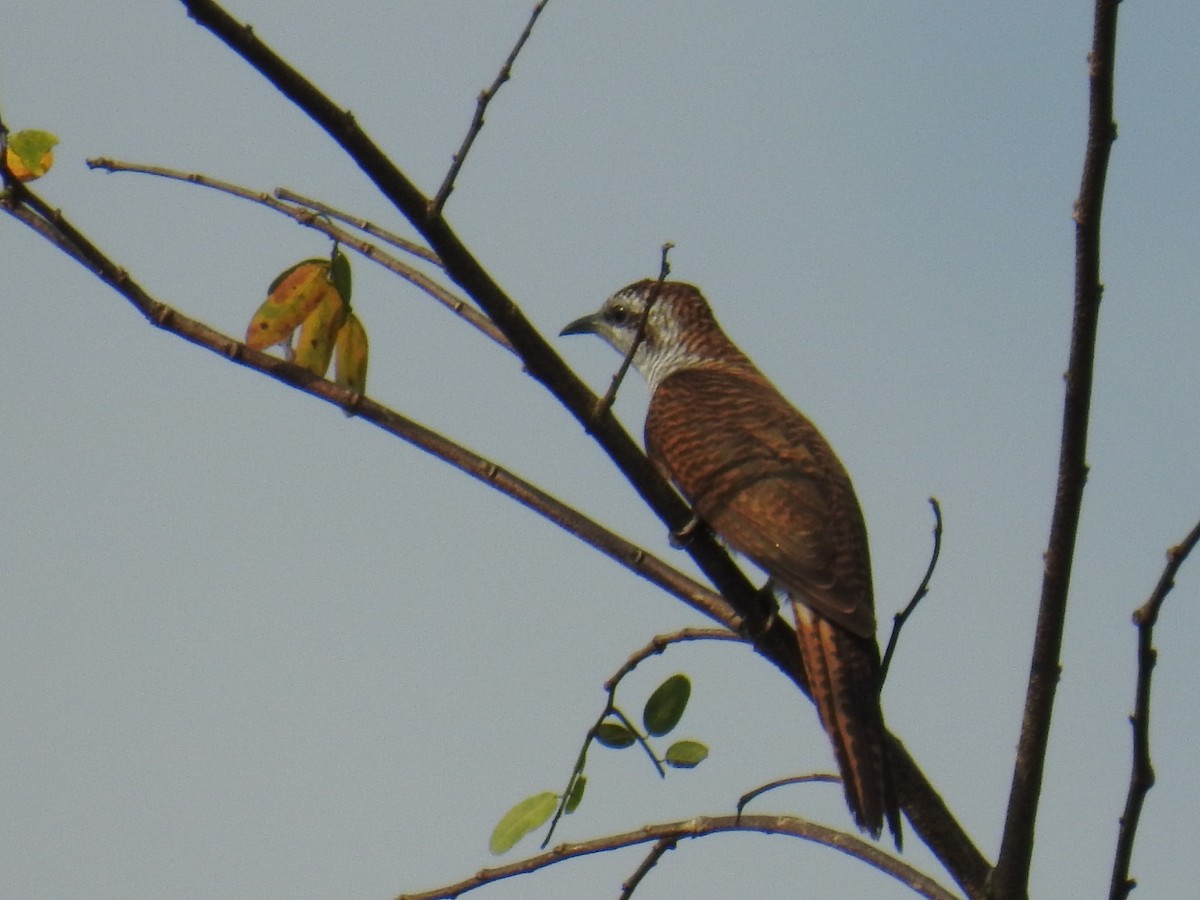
(614, 729)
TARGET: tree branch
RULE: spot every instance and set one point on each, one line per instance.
(772, 638)
(657, 852)
(309, 213)
(365, 226)
(701, 826)
(1011, 877)
(1141, 778)
(919, 595)
(30, 209)
(481, 105)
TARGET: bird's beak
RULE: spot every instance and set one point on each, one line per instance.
(585, 325)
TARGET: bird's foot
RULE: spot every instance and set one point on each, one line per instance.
(685, 535)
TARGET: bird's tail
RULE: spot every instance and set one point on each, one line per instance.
(843, 675)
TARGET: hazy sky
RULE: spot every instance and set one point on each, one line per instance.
(252, 648)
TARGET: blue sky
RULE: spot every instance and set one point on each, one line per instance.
(254, 648)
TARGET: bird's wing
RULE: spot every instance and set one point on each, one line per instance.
(766, 481)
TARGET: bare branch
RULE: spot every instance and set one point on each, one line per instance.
(361, 224)
(922, 589)
(660, 642)
(812, 778)
(657, 852)
(311, 218)
(1141, 777)
(1011, 877)
(702, 826)
(165, 317)
(481, 104)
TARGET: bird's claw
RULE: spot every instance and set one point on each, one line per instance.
(685, 535)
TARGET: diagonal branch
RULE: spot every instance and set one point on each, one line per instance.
(1141, 777)
(1011, 877)
(30, 209)
(657, 852)
(538, 357)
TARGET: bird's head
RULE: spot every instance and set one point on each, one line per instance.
(679, 332)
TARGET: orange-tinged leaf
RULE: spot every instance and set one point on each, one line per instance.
(314, 346)
(291, 298)
(352, 350)
(29, 154)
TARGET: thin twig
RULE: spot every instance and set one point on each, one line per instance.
(656, 645)
(1141, 777)
(1011, 876)
(922, 589)
(363, 225)
(651, 859)
(660, 642)
(664, 269)
(310, 217)
(640, 739)
(481, 104)
(812, 778)
(702, 826)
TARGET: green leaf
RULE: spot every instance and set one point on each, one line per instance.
(615, 735)
(340, 274)
(575, 795)
(531, 813)
(30, 153)
(665, 707)
(686, 754)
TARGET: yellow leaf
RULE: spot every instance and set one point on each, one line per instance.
(314, 346)
(352, 352)
(291, 298)
(29, 154)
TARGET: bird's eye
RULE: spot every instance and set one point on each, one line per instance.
(618, 314)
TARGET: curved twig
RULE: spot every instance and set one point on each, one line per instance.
(702, 826)
(813, 778)
(922, 589)
(661, 642)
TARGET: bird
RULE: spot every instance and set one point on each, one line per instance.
(761, 476)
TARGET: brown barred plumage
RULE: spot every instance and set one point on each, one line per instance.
(765, 480)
